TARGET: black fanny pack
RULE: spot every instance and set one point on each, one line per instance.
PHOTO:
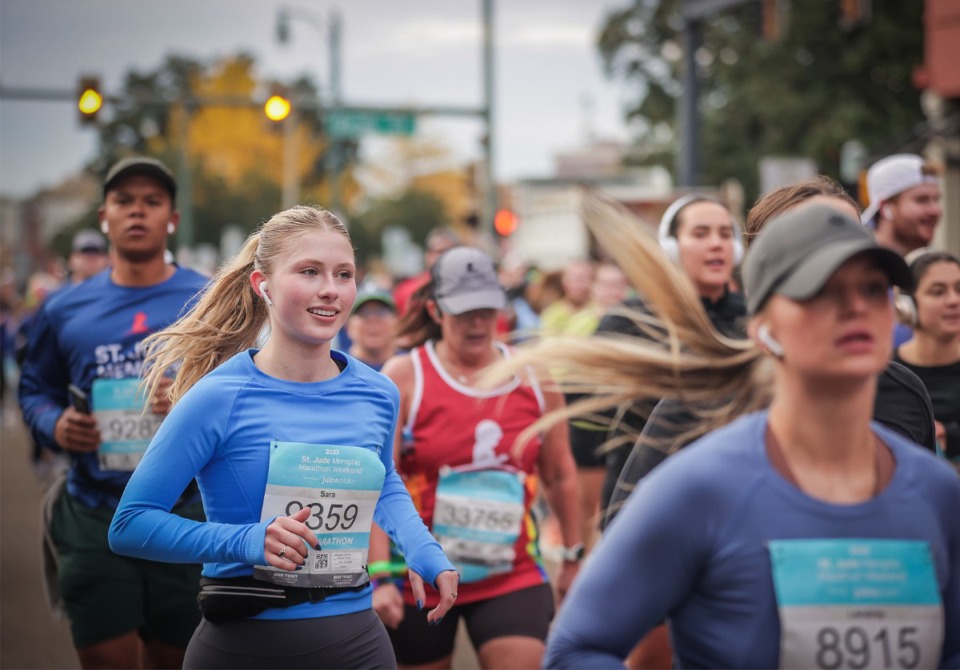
(242, 597)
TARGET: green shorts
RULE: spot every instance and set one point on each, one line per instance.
(107, 595)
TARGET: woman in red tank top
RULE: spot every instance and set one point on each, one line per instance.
(472, 478)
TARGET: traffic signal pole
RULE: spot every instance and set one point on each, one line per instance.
(334, 105)
(490, 199)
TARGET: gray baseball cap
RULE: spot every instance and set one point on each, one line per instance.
(141, 165)
(464, 279)
(797, 252)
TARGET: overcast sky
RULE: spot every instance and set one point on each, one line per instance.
(417, 52)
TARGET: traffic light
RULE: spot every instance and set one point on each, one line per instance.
(854, 13)
(277, 106)
(89, 99)
(505, 222)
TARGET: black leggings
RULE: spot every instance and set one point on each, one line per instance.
(355, 640)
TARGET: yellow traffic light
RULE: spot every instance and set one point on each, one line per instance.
(505, 222)
(89, 99)
(277, 107)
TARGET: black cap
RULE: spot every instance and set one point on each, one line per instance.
(141, 165)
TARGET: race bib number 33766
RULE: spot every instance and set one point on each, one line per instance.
(340, 485)
(857, 604)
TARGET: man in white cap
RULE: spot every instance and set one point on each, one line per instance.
(904, 205)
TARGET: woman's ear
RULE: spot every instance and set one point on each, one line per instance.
(433, 309)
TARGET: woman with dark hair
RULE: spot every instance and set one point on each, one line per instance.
(932, 308)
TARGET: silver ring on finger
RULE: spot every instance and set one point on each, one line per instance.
(282, 552)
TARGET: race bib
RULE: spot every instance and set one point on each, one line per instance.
(125, 429)
(341, 486)
(477, 520)
(857, 604)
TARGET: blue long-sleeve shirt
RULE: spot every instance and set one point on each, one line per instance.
(691, 546)
(94, 331)
(220, 432)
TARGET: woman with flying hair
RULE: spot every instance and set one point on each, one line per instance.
(748, 542)
(901, 402)
(932, 309)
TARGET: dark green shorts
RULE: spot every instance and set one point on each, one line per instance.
(107, 595)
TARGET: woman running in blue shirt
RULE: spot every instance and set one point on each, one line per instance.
(799, 536)
(291, 446)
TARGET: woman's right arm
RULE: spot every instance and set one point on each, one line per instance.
(642, 569)
(143, 525)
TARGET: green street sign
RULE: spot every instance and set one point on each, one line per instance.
(355, 123)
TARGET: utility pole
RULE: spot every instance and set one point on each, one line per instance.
(490, 199)
(693, 12)
(336, 99)
(688, 158)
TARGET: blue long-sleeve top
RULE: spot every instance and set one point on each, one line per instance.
(691, 546)
(94, 331)
(220, 433)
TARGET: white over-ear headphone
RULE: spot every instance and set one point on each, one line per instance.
(264, 295)
(903, 302)
(104, 226)
(906, 308)
(171, 229)
(667, 235)
(769, 341)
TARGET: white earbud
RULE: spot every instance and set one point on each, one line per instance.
(263, 293)
(768, 340)
(171, 229)
(887, 213)
(104, 226)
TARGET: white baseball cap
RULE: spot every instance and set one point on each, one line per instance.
(891, 176)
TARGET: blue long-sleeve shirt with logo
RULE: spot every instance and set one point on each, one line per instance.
(92, 331)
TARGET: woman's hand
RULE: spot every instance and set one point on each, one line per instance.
(447, 583)
(388, 603)
(568, 571)
(285, 544)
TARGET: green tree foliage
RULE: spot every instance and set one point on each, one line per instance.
(417, 211)
(235, 155)
(804, 94)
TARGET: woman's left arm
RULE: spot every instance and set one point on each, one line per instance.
(558, 472)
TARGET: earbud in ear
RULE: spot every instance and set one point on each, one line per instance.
(171, 229)
(768, 340)
(886, 212)
(104, 226)
(264, 295)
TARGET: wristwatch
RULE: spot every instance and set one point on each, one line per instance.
(572, 554)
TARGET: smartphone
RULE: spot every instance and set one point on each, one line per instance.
(79, 399)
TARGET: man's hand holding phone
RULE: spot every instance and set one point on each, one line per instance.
(76, 429)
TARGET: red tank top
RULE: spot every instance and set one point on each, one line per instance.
(460, 441)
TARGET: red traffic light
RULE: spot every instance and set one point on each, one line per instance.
(505, 222)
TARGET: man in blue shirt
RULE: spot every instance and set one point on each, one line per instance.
(78, 394)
